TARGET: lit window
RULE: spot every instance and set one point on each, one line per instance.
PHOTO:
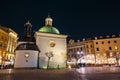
(111, 54)
(116, 47)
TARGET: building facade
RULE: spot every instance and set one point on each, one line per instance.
(52, 45)
(101, 50)
(27, 52)
(76, 52)
(8, 43)
(107, 49)
(50, 51)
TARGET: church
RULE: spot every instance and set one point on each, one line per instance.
(47, 49)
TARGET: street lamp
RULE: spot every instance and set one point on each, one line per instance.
(117, 55)
(117, 58)
(77, 56)
(80, 58)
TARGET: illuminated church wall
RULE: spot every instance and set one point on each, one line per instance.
(54, 43)
(26, 59)
(48, 42)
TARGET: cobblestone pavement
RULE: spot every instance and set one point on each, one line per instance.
(91, 70)
(98, 73)
(83, 73)
(37, 74)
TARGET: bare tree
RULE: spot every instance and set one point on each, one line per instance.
(49, 55)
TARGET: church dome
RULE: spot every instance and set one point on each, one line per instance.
(48, 28)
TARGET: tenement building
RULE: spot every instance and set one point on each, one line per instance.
(8, 43)
(76, 52)
(106, 49)
(102, 50)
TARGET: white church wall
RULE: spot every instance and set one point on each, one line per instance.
(59, 50)
(26, 59)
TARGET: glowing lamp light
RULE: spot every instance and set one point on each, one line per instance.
(69, 66)
(27, 55)
(82, 52)
(78, 52)
(116, 47)
(0, 57)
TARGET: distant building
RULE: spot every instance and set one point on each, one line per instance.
(8, 43)
(52, 45)
(27, 52)
(100, 50)
(75, 52)
(106, 49)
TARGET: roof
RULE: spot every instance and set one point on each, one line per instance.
(28, 46)
(49, 29)
(26, 39)
(6, 29)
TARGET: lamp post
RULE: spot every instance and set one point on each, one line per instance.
(80, 58)
(117, 55)
(77, 56)
(117, 58)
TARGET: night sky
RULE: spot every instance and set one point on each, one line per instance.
(77, 18)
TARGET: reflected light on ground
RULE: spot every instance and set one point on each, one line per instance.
(9, 71)
(69, 66)
(81, 70)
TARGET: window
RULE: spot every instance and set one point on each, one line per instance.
(87, 51)
(73, 50)
(96, 42)
(81, 48)
(91, 46)
(115, 41)
(77, 49)
(0, 44)
(110, 48)
(68, 56)
(2, 37)
(102, 42)
(97, 49)
(109, 42)
(87, 46)
(5, 45)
